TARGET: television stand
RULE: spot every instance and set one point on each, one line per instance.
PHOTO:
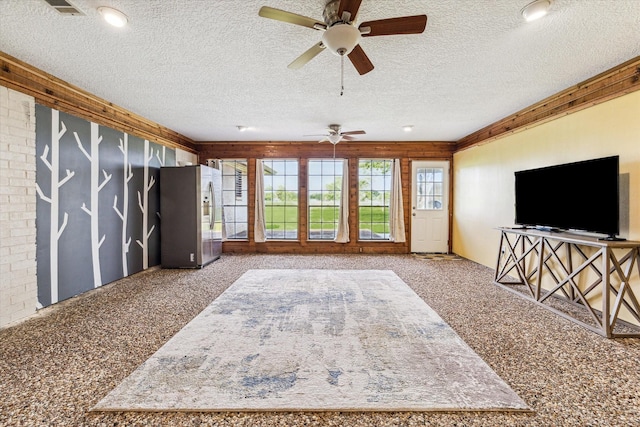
(549, 229)
(612, 239)
(590, 279)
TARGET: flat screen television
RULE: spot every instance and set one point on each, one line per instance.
(573, 196)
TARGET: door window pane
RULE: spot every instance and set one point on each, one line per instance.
(429, 185)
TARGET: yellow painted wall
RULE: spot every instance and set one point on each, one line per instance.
(484, 175)
(484, 180)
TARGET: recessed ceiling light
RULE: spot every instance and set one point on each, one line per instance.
(242, 128)
(535, 10)
(113, 16)
(407, 128)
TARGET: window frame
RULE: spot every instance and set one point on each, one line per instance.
(268, 163)
(235, 204)
(337, 193)
(386, 197)
(430, 190)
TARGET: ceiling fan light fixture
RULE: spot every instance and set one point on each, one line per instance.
(113, 16)
(341, 38)
(334, 138)
(535, 10)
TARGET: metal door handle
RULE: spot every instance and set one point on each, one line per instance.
(212, 214)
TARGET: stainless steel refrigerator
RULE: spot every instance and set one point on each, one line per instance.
(190, 216)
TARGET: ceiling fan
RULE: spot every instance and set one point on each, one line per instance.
(334, 134)
(340, 34)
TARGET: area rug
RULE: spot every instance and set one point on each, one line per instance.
(314, 340)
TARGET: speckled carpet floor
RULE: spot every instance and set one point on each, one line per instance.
(57, 365)
(314, 340)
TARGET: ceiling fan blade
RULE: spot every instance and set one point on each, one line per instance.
(360, 60)
(354, 132)
(301, 60)
(291, 18)
(351, 6)
(347, 138)
(403, 25)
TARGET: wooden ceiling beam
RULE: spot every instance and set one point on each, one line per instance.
(56, 93)
(312, 149)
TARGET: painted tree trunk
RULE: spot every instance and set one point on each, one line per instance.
(56, 229)
(127, 175)
(143, 203)
(95, 186)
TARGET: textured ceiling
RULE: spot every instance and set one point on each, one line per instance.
(202, 67)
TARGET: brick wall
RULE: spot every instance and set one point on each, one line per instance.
(18, 285)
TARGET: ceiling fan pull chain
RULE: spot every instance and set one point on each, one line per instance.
(341, 75)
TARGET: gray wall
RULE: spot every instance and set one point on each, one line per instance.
(88, 250)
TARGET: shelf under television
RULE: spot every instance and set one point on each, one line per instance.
(589, 278)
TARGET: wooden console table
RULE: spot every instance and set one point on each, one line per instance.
(591, 277)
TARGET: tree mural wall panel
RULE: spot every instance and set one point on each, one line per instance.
(97, 183)
(52, 131)
(163, 157)
(88, 179)
(110, 224)
(123, 209)
(148, 181)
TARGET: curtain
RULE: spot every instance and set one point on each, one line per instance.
(260, 227)
(396, 210)
(342, 234)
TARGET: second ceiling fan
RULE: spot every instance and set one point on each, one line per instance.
(334, 134)
(340, 34)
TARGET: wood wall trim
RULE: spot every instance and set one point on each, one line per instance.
(310, 149)
(308, 247)
(618, 81)
(53, 92)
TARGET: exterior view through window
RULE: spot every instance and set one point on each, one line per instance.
(374, 191)
(325, 183)
(281, 198)
(234, 198)
(430, 186)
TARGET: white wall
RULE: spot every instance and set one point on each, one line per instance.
(18, 284)
(184, 157)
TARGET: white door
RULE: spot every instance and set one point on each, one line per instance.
(430, 206)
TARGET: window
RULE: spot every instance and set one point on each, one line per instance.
(234, 198)
(325, 183)
(281, 198)
(429, 185)
(374, 191)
